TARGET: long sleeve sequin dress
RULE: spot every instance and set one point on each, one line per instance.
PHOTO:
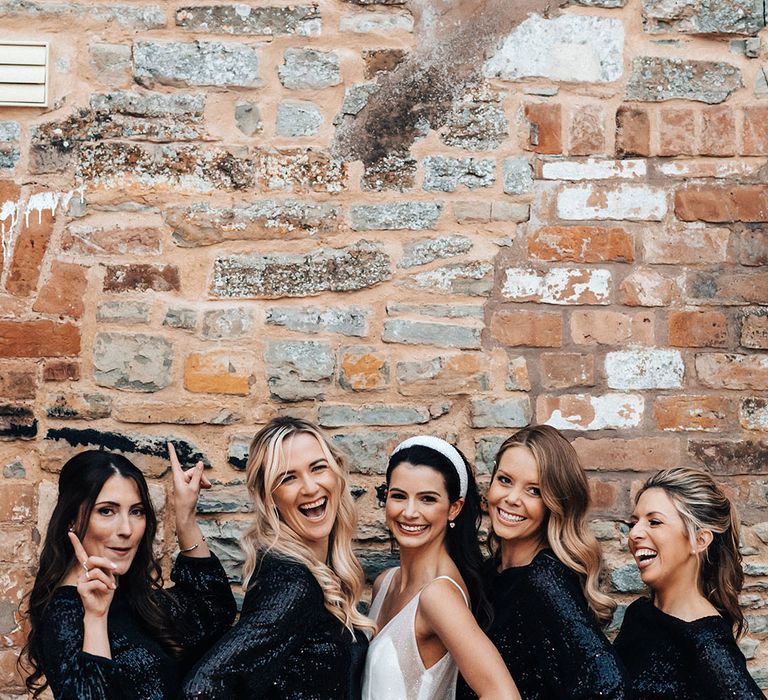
(552, 645)
(140, 668)
(285, 645)
(671, 659)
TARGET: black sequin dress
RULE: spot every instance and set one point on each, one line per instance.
(285, 645)
(552, 644)
(140, 667)
(671, 659)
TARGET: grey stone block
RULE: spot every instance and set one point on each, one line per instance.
(441, 335)
(133, 362)
(395, 216)
(309, 69)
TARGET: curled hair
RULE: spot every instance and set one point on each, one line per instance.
(341, 577)
(702, 505)
(80, 482)
(565, 493)
(461, 540)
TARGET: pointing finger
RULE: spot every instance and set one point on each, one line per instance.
(80, 553)
(175, 464)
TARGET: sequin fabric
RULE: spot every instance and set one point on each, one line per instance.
(285, 645)
(668, 658)
(548, 638)
(140, 668)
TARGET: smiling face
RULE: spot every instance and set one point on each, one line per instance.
(117, 523)
(659, 541)
(306, 492)
(418, 508)
(518, 514)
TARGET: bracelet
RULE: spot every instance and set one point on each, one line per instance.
(194, 546)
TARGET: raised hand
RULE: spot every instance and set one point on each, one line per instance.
(96, 584)
(186, 490)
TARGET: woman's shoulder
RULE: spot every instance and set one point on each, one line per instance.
(281, 574)
(546, 572)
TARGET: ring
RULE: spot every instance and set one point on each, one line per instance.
(88, 574)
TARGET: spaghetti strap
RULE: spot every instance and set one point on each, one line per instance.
(461, 590)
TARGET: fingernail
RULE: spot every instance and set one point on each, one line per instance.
(114, 566)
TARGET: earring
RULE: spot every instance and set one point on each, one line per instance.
(451, 524)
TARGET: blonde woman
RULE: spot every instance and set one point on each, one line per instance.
(679, 643)
(542, 577)
(300, 634)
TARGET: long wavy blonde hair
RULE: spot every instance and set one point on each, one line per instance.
(565, 493)
(341, 577)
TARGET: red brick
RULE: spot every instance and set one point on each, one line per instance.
(718, 132)
(753, 246)
(588, 412)
(635, 454)
(725, 288)
(719, 204)
(720, 370)
(581, 244)
(755, 131)
(754, 329)
(564, 370)
(17, 380)
(698, 329)
(590, 327)
(527, 328)
(35, 230)
(587, 132)
(61, 371)
(38, 339)
(691, 412)
(648, 288)
(140, 278)
(545, 128)
(677, 132)
(17, 502)
(607, 496)
(633, 132)
(63, 292)
(684, 244)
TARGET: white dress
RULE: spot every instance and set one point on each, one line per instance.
(393, 667)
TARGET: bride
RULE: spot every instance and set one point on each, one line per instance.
(427, 627)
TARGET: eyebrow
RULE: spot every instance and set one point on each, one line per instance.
(115, 503)
(418, 493)
(319, 460)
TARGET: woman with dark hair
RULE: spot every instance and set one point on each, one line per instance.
(543, 573)
(101, 624)
(427, 630)
(679, 643)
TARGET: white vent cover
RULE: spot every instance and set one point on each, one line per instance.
(24, 73)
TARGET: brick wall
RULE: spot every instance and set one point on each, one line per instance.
(390, 217)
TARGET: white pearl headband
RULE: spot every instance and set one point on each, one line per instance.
(444, 448)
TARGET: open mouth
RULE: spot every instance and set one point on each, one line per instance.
(645, 556)
(510, 518)
(315, 510)
(411, 529)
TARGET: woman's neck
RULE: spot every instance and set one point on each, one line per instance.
(684, 600)
(520, 552)
(419, 566)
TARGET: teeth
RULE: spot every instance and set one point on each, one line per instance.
(509, 517)
(412, 528)
(640, 553)
(314, 504)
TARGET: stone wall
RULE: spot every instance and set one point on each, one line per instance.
(392, 217)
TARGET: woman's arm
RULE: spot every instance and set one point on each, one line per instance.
(722, 672)
(283, 603)
(186, 490)
(72, 673)
(444, 611)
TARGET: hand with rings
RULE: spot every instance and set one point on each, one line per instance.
(97, 584)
